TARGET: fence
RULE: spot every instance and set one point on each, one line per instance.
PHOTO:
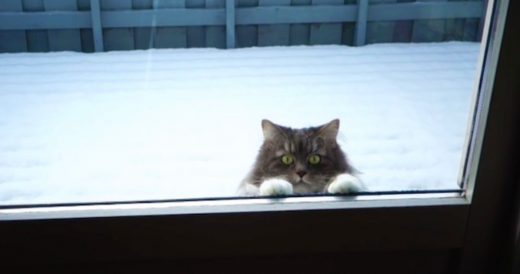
(99, 25)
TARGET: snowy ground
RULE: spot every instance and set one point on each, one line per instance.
(164, 124)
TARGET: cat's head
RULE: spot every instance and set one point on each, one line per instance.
(308, 158)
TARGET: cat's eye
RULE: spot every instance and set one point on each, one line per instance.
(314, 159)
(287, 159)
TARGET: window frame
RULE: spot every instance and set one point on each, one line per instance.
(261, 227)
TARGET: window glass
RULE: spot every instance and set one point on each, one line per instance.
(121, 111)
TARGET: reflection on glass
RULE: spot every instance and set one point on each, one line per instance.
(134, 124)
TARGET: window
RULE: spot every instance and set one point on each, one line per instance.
(409, 224)
(163, 124)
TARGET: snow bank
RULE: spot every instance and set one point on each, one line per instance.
(185, 123)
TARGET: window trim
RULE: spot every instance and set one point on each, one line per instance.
(137, 238)
(492, 192)
(223, 206)
(488, 63)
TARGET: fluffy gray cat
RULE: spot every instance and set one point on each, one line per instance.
(307, 160)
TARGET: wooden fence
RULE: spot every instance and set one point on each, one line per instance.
(103, 25)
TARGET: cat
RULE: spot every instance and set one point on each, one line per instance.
(300, 161)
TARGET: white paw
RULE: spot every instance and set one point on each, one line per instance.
(345, 183)
(276, 187)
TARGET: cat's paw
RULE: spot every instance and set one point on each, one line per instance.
(276, 187)
(345, 183)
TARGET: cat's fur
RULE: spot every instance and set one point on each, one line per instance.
(270, 176)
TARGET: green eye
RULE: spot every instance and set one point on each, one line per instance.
(287, 159)
(314, 159)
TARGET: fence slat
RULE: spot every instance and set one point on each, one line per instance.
(472, 28)
(87, 39)
(60, 40)
(195, 35)
(170, 37)
(429, 30)
(143, 36)
(63, 20)
(12, 40)
(276, 34)
(246, 36)
(453, 28)
(403, 29)
(380, 32)
(296, 14)
(300, 33)
(349, 28)
(322, 34)
(482, 21)
(120, 38)
(83, 4)
(425, 10)
(216, 36)
(37, 40)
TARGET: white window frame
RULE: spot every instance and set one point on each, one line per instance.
(265, 227)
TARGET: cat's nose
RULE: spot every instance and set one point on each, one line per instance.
(301, 173)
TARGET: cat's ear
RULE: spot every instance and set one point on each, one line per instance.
(270, 129)
(330, 130)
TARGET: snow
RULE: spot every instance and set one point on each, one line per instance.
(185, 123)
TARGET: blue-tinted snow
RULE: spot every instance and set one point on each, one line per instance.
(185, 123)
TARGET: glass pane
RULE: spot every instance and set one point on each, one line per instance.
(168, 113)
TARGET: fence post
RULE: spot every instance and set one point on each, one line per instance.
(361, 23)
(97, 29)
(230, 24)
